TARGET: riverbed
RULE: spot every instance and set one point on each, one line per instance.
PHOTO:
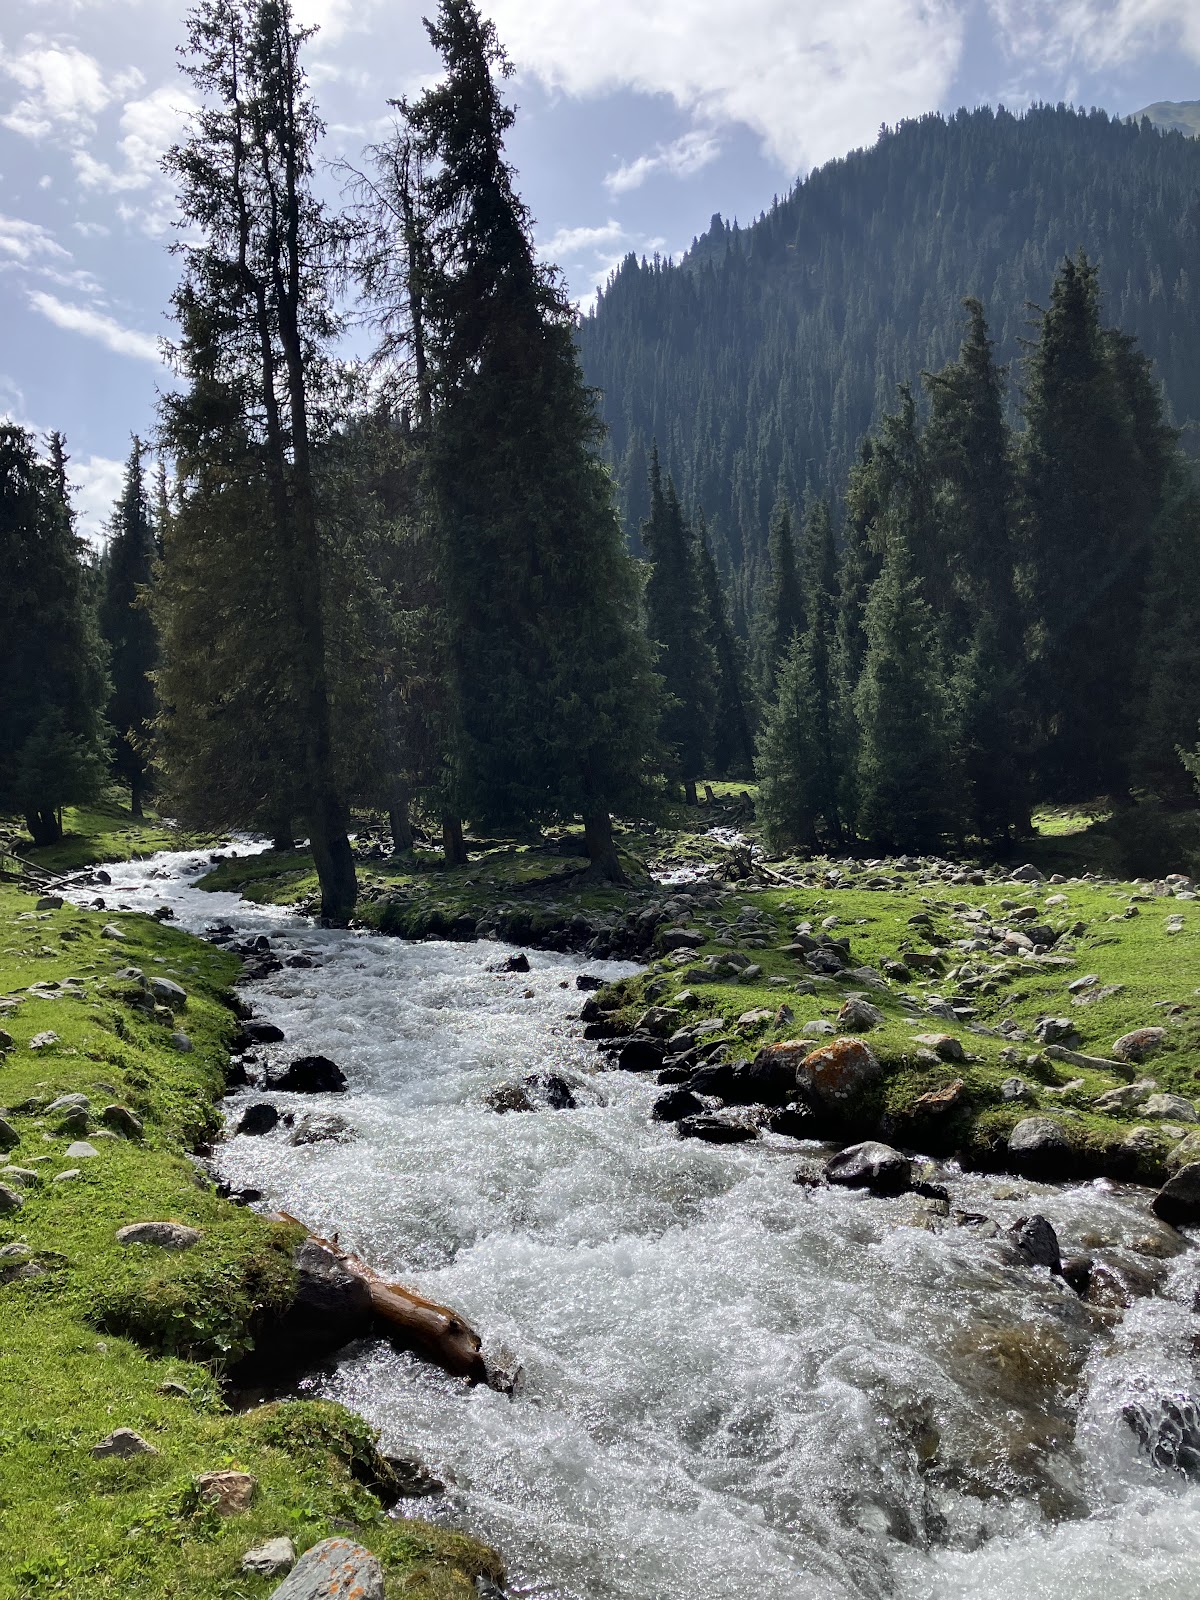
(733, 1387)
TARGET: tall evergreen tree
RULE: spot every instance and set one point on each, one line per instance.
(128, 629)
(552, 691)
(731, 744)
(677, 624)
(1092, 478)
(52, 680)
(255, 324)
(1167, 683)
(783, 616)
(905, 775)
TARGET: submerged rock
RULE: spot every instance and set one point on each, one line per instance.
(716, 1129)
(1037, 1241)
(311, 1075)
(258, 1119)
(322, 1127)
(1168, 1429)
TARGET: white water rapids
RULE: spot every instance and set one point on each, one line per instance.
(735, 1388)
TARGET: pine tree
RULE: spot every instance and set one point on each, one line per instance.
(52, 680)
(731, 745)
(1167, 684)
(784, 806)
(783, 617)
(676, 621)
(553, 698)
(1092, 480)
(905, 774)
(255, 324)
(128, 629)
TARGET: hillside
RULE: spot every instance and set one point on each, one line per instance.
(1173, 116)
(772, 349)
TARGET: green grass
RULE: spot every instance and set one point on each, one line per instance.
(88, 1345)
(105, 831)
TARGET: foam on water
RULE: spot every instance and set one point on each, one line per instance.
(733, 1387)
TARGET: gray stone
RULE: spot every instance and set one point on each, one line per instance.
(43, 1041)
(169, 993)
(1169, 1108)
(1026, 874)
(182, 1043)
(66, 1177)
(1139, 1044)
(124, 1444)
(271, 1559)
(335, 1569)
(50, 902)
(683, 939)
(10, 1200)
(321, 1127)
(872, 1166)
(1178, 1201)
(23, 1177)
(1057, 1030)
(111, 931)
(68, 1102)
(859, 1016)
(123, 1121)
(1037, 1241)
(1126, 1096)
(818, 1029)
(9, 1137)
(1040, 1145)
(81, 1150)
(160, 1235)
(944, 1045)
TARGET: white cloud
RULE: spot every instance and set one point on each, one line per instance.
(1098, 33)
(63, 88)
(148, 127)
(97, 482)
(96, 325)
(812, 79)
(692, 152)
(28, 242)
(570, 243)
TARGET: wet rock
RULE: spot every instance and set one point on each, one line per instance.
(1037, 1241)
(252, 1033)
(767, 1080)
(675, 1105)
(1077, 1274)
(232, 1493)
(335, 1569)
(718, 1078)
(714, 1128)
(1139, 1044)
(944, 1045)
(311, 1075)
(331, 1307)
(1039, 1145)
(509, 1097)
(552, 1091)
(859, 1016)
(1178, 1201)
(123, 1444)
(1169, 1108)
(641, 1055)
(585, 981)
(160, 1235)
(872, 1166)
(517, 963)
(258, 1119)
(794, 1120)
(123, 1121)
(1168, 1430)
(272, 1559)
(412, 1479)
(322, 1127)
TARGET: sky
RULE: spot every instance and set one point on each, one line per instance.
(638, 119)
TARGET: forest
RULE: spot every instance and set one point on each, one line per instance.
(913, 592)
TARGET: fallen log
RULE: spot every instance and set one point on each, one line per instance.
(435, 1332)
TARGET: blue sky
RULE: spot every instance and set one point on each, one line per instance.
(639, 119)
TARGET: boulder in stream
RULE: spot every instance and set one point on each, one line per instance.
(714, 1128)
(872, 1166)
(258, 1119)
(311, 1075)
(1037, 1241)
(1178, 1201)
(1168, 1429)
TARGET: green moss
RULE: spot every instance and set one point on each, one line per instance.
(89, 1343)
(106, 831)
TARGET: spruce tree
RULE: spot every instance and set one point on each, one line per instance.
(677, 623)
(553, 697)
(1167, 683)
(255, 323)
(783, 617)
(52, 679)
(731, 744)
(128, 629)
(905, 770)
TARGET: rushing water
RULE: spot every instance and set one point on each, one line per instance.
(734, 1388)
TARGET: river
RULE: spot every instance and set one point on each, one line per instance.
(733, 1387)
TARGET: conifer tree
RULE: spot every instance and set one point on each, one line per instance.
(128, 629)
(255, 323)
(1167, 683)
(553, 696)
(1092, 480)
(731, 745)
(905, 776)
(676, 621)
(52, 680)
(784, 613)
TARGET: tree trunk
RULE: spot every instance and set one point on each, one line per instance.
(453, 845)
(689, 791)
(282, 837)
(334, 861)
(400, 821)
(135, 796)
(45, 827)
(602, 852)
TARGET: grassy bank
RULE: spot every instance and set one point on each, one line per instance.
(99, 833)
(97, 1336)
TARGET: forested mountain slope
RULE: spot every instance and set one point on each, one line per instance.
(769, 351)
